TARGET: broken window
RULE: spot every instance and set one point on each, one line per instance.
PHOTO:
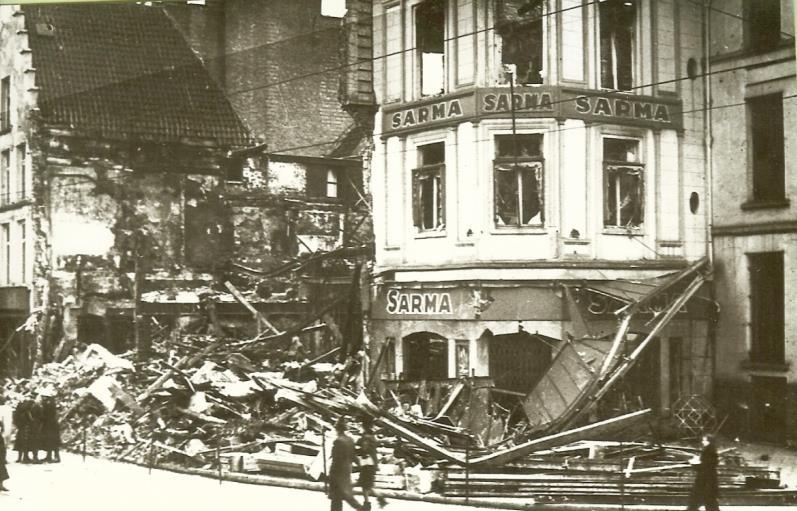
(623, 204)
(389, 359)
(5, 104)
(463, 358)
(521, 29)
(518, 172)
(428, 188)
(767, 322)
(617, 43)
(768, 162)
(430, 43)
(763, 24)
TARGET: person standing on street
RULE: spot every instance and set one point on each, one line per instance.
(3, 470)
(368, 463)
(22, 421)
(340, 488)
(705, 490)
(50, 428)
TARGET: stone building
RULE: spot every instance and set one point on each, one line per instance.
(524, 150)
(754, 221)
(131, 181)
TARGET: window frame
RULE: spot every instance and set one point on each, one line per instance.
(761, 315)
(5, 247)
(418, 53)
(758, 198)
(22, 239)
(5, 104)
(635, 50)
(5, 177)
(21, 171)
(613, 165)
(753, 40)
(424, 171)
(536, 164)
(505, 27)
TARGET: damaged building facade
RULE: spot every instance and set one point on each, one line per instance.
(138, 190)
(754, 223)
(537, 167)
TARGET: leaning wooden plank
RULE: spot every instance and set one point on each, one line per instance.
(184, 362)
(243, 301)
(450, 401)
(366, 405)
(564, 437)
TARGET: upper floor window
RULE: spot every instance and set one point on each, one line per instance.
(767, 321)
(5, 104)
(324, 182)
(430, 27)
(5, 246)
(22, 233)
(623, 175)
(518, 171)
(762, 23)
(617, 43)
(766, 138)
(521, 28)
(332, 184)
(428, 188)
(21, 174)
(5, 177)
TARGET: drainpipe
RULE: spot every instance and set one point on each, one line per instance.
(708, 140)
(708, 133)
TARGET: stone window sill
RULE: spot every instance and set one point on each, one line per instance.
(775, 367)
(753, 205)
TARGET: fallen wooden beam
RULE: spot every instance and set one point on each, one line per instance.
(202, 416)
(366, 405)
(564, 437)
(256, 313)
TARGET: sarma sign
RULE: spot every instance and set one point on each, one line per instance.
(535, 102)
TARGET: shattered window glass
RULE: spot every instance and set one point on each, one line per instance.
(624, 184)
(518, 180)
(521, 29)
(428, 189)
(617, 43)
(430, 42)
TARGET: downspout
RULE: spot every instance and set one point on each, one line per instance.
(708, 140)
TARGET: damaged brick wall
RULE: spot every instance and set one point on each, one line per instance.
(101, 205)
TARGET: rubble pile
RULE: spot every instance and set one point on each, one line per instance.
(255, 406)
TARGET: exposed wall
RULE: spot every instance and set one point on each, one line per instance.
(283, 68)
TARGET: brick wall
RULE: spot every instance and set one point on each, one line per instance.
(283, 68)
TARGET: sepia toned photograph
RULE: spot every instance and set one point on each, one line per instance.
(398, 254)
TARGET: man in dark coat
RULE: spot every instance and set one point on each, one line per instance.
(340, 488)
(50, 436)
(705, 490)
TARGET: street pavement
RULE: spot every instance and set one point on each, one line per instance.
(102, 485)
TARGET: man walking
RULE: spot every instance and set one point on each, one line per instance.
(340, 488)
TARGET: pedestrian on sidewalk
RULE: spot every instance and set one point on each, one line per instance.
(343, 455)
(705, 490)
(368, 463)
(3, 470)
(50, 428)
(23, 421)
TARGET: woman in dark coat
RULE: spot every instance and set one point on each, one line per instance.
(340, 488)
(50, 430)
(3, 470)
(22, 421)
(366, 449)
(705, 490)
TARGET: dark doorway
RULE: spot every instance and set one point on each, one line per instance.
(518, 361)
(642, 383)
(425, 356)
(769, 409)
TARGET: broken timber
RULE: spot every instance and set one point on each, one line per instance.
(538, 444)
(259, 317)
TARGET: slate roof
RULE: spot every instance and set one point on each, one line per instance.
(125, 72)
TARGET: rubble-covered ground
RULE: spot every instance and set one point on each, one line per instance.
(258, 406)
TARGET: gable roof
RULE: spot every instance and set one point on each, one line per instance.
(125, 72)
